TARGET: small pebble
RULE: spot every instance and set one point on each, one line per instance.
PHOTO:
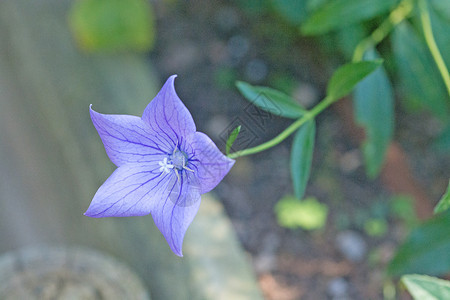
(351, 245)
(265, 263)
(350, 161)
(270, 243)
(238, 46)
(227, 19)
(256, 70)
(306, 94)
(216, 127)
(337, 287)
(180, 57)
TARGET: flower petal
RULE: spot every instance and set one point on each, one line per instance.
(208, 162)
(127, 139)
(168, 116)
(173, 214)
(131, 190)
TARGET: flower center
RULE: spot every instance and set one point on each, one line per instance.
(178, 159)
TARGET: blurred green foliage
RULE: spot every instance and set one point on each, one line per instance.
(393, 28)
(416, 73)
(421, 83)
(376, 227)
(336, 14)
(308, 214)
(113, 25)
(426, 250)
(402, 207)
(374, 110)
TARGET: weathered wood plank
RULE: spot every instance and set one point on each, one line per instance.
(52, 161)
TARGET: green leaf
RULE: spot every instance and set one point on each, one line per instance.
(441, 28)
(421, 81)
(426, 250)
(423, 287)
(374, 110)
(232, 138)
(308, 214)
(444, 203)
(341, 13)
(348, 38)
(301, 157)
(270, 100)
(347, 76)
(293, 11)
(442, 7)
(376, 227)
(442, 142)
(113, 25)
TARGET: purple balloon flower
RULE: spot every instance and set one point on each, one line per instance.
(163, 163)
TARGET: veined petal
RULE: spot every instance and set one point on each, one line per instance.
(132, 190)
(174, 214)
(168, 116)
(208, 162)
(127, 139)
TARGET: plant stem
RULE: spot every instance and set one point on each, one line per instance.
(311, 114)
(396, 16)
(429, 38)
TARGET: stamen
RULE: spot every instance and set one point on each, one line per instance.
(184, 165)
(187, 169)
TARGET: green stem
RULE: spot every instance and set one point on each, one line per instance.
(311, 114)
(401, 12)
(429, 38)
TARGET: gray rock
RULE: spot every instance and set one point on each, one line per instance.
(351, 245)
(264, 263)
(238, 46)
(227, 19)
(256, 70)
(338, 287)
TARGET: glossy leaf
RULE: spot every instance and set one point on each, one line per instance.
(113, 25)
(301, 157)
(374, 110)
(426, 250)
(423, 287)
(337, 14)
(270, 100)
(444, 203)
(420, 78)
(233, 136)
(347, 77)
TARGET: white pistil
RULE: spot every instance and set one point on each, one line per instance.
(165, 166)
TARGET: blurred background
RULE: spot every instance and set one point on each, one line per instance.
(252, 239)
